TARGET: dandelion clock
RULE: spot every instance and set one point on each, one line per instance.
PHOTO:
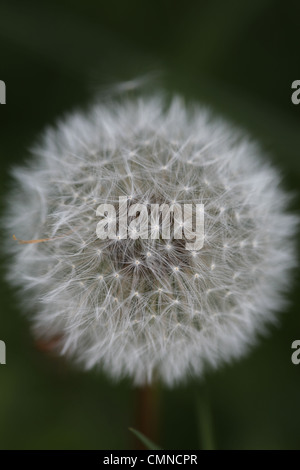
(138, 304)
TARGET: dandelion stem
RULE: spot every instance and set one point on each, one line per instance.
(147, 413)
(205, 421)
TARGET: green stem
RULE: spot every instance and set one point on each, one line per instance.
(205, 420)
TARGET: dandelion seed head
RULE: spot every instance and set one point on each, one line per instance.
(131, 306)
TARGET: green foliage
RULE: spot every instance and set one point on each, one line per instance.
(147, 443)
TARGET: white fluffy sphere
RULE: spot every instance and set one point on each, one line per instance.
(149, 309)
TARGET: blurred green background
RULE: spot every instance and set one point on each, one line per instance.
(240, 57)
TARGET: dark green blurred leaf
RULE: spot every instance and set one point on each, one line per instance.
(147, 443)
